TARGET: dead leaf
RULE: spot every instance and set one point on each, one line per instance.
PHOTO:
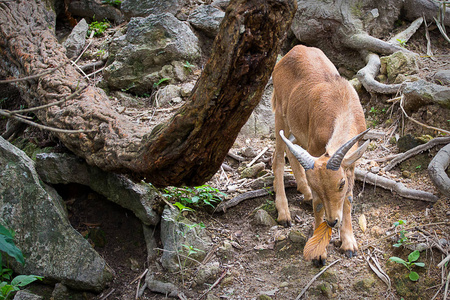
(363, 223)
(318, 242)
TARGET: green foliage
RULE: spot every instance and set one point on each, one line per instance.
(115, 3)
(98, 27)
(412, 261)
(199, 196)
(403, 239)
(8, 284)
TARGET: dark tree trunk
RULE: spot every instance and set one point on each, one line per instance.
(191, 147)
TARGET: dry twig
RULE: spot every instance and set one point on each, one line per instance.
(315, 277)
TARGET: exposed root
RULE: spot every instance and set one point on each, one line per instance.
(437, 167)
(416, 150)
(393, 186)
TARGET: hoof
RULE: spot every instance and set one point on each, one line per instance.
(285, 224)
(350, 253)
(319, 262)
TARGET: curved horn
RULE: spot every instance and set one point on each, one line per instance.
(303, 157)
(335, 161)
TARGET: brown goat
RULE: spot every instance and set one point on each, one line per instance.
(322, 114)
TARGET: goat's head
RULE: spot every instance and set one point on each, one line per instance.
(327, 176)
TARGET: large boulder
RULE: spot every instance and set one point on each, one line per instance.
(51, 247)
(150, 43)
(207, 19)
(56, 168)
(143, 8)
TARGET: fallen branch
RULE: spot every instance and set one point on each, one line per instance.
(437, 167)
(241, 197)
(393, 186)
(214, 284)
(315, 277)
(258, 156)
(416, 150)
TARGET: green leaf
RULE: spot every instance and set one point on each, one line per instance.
(6, 232)
(7, 246)
(397, 260)
(413, 276)
(420, 264)
(413, 256)
(23, 280)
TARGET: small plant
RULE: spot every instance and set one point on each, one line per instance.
(188, 66)
(98, 27)
(403, 239)
(412, 261)
(402, 43)
(194, 197)
(9, 285)
(157, 84)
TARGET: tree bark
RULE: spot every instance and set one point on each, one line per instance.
(190, 148)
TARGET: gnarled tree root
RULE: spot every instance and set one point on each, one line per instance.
(436, 170)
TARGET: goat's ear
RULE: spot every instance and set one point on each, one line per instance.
(350, 159)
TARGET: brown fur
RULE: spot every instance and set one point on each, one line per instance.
(322, 111)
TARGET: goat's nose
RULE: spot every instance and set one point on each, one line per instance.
(333, 223)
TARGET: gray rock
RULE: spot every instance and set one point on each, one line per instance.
(442, 77)
(150, 240)
(26, 295)
(253, 171)
(262, 217)
(167, 94)
(149, 44)
(178, 233)
(207, 19)
(165, 288)
(221, 4)
(75, 41)
(95, 9)
(420, 93)
(61, 292)
(52, 248)
(207, 273)
(186, 89)
(66, 168)
(143, 8)
(262, 120)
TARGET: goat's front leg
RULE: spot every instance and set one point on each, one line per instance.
(349, 245)
(319, 211)
(281, 203)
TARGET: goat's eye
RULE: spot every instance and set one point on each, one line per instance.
(341, 185)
